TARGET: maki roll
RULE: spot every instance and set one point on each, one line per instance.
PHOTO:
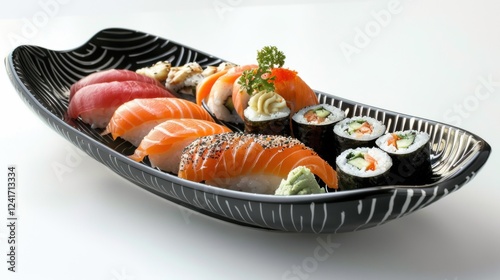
(410, 152)
(357, 132)
(267, 113)
(362, 167)
(313, 126)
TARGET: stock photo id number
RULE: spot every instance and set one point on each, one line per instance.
(11, 217)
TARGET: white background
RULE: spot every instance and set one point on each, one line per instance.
(427, 58)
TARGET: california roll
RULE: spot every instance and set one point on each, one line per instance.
(362, 167)
(313, 125)
(361, 131)
(410, 152)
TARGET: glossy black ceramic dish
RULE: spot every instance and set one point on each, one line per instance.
(42, 78)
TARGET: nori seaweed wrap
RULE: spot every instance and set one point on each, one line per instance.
(357, 132)
(362, 167)
(275, 125)
(313, 126)
(410, 152)
(267, 113)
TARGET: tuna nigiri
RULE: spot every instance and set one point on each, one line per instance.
(110, 75)
(134, 119)
(96, 103)
(164, 143)
(250, 162)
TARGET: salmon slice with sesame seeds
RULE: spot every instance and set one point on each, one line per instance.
(242, 161)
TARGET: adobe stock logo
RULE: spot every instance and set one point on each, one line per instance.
(322, 252)
(224, 6)
(364, 36)
(460, 111)
(31, 25)
(72, 160)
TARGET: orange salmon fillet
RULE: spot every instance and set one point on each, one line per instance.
(165, 142)
(235, 154)
(141, 111)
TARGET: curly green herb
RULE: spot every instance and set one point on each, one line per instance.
(260, 79)
(270, 57)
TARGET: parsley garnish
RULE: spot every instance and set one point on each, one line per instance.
(260, 79)
(270, 57)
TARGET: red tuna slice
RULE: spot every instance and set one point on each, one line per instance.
(96, 103)
(111, 75)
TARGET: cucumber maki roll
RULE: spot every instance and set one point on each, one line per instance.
(362, 167)
(267, 113)
(357, 132)
(313, 126)
(410, 152)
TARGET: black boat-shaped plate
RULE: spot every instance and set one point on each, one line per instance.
(42, 78)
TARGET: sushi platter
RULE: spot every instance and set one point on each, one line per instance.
(449, 156)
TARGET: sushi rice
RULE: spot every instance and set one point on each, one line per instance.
(335, 115)
(257, 117)
(384, 162)
(267, 113)
(410, 152)
(421, 138)
(313, 125)
(342, 127)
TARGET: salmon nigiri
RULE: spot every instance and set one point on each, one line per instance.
(221, 92)
(250, 162)
(210, 75)
(134, 119)
(164, 143)
(287, 84)
(205, 86)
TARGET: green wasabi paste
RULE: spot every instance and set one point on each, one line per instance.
(299, 181)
